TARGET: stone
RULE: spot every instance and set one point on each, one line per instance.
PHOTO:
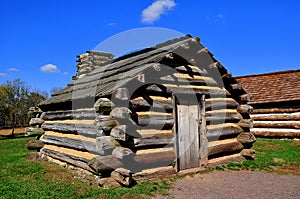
(108, 183)
(122, 176)
(249, 154)
(34, 145)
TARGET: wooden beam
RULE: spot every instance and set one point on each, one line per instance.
(79, 145)
(277, 124)
(148, 102)
(224, 115)
(151, 160)
(276, 117)
(81, 129)
(220, 103)
(275, 110)
(276, 133)
(69, 115)
(225, 160)
(105, 164)
(223, 130)
(70, 159)
(159, 140)
(222, 147)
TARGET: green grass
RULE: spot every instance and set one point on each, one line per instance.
(281, 156)
(20, 178)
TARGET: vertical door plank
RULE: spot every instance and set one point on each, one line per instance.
(203, 135)
(183, 130)
(194, 136)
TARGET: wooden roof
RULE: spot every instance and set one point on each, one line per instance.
(280, 86)
(104, 80)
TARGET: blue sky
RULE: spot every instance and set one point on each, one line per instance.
(39, 40)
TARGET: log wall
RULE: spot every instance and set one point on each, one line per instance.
(276, 122)
(134, 128)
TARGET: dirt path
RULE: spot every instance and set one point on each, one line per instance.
(237, 184)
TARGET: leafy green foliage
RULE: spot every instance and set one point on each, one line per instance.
(15, 100)
(20, 178)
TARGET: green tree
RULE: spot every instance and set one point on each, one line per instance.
(15, 100)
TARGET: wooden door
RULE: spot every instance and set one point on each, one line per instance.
(187, 124)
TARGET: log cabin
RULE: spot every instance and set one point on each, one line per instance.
(276, 103)
(159, 111)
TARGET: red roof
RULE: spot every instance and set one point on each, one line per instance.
(280, 86)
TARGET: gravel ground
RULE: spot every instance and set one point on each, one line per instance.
(237, 184)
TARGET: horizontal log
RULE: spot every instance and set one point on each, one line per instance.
(276, 117)
(224, 115)
(220, 103)
(159, 140)
(79, 145)
(81, 129)
(155, 123)
(277, 124)
(280, 133)
(155, 119)
(105, 164)
(187, 79)
(154, 150)
(221, 147)
(147, 102)
(155, 115)
(205, 90)
(225, 160)
(69, 114)
(223, 130)
(245, 109)
(70, 159)
(276, 110)
(154, 174)
(151, 160)
(103, 105)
